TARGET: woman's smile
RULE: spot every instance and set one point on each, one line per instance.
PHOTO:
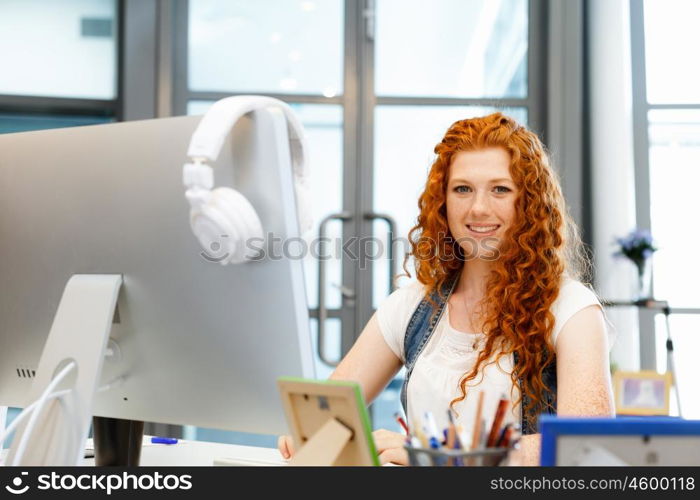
(481, 230)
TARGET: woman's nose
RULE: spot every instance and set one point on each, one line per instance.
(481, 203)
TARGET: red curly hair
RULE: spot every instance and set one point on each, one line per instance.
(541, 246)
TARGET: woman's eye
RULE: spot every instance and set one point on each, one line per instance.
(502, 189)
(462, 189)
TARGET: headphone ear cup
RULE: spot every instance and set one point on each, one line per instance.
(225, 225)
(243, 221)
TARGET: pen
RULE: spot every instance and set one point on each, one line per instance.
(431, 430)
(422, 438)
(497, 421)
(502, 438)
(163, 440)
(483, 437)
(476, 435)
(507, 437)
(513, 436)
(453, 440)
(419, 434)
(402, 423)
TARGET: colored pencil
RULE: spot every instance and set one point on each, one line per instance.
(497, 422)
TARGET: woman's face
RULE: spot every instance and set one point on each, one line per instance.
(480, 201)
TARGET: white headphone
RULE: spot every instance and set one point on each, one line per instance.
(223, 219)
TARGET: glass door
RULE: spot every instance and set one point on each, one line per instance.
(424, 69)
(375, 83)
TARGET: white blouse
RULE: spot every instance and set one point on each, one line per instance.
(451, 353)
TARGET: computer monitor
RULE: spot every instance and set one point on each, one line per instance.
(200, 343)
(622, 441)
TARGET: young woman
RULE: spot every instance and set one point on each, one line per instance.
(497, 307)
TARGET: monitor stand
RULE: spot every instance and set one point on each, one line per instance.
(117, 442)
(79, 334)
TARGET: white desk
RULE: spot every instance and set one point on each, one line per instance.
(201, 453)
(198, 453)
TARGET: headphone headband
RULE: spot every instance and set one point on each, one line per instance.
(223, 219)
(216, 124)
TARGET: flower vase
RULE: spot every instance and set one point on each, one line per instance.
(643, 290)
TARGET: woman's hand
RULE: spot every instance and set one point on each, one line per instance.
(390, 446)
(285, 444)
(527, 452)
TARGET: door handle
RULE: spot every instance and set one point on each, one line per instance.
(347, 292)
(391, 223)
(322, 311)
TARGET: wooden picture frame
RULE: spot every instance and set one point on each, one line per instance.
(644, 392)
(328, 421)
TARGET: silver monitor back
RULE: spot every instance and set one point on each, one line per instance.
(201, 344)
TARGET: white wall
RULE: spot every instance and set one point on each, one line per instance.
(612, 159)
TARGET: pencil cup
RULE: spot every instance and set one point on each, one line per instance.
(487, 457)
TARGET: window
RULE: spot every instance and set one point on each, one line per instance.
(667, 157)
(674, 172)
(671, 38)
(455, 48)
(24, 122)
(59, 49)
(277, 46)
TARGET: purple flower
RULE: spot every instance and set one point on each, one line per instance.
(637, 246)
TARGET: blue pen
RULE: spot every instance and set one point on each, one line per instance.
(162, 440)
(457, 445)
(431, 430)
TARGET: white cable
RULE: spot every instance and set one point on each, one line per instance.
(45, 396)
(58, 394)
(116, 381)
(18, 420)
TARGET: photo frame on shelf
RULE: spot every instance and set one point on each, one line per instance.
(643, 392)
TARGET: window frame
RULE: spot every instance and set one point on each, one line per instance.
(73, 106)
(640, 115)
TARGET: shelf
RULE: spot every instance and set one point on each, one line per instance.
(650, 303)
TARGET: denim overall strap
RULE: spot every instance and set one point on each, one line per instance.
(548, 406)
(420, 328)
